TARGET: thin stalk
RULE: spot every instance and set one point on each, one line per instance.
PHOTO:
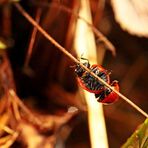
(32, 40)
(98, 135)
(62, 49)
(8, 130)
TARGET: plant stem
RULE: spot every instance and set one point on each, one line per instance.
(53, 41)
(32, 40)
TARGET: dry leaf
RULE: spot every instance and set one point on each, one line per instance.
(132, 15)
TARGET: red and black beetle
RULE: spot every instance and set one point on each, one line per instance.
(93, 85)
(108, 96)
(87, 81)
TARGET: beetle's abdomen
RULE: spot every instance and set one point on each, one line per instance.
(91, 82)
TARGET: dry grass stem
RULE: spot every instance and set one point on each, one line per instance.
(16, 110)
(10, 140)
(98, 135)
(33, 37)
(8, 130)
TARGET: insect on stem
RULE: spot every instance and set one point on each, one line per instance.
(53, 41)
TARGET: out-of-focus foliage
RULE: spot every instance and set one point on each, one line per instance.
(8, 1)
(132, 15)
(139, 138)
(2, 45)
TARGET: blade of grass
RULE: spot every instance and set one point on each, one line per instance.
(139, 139)
(32, 40)
(98, 135)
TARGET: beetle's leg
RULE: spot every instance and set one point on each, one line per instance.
(86, 60)
(114, 83)
(100, 96)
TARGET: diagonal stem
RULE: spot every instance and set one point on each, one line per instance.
(32, 41)
(62, 49)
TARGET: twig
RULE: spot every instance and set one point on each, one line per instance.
(33, 36)
(8, 130)
(53, 41)
(16, 110)
(10, 140)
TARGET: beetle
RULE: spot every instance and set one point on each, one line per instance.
(89, 82)
(107, 96)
